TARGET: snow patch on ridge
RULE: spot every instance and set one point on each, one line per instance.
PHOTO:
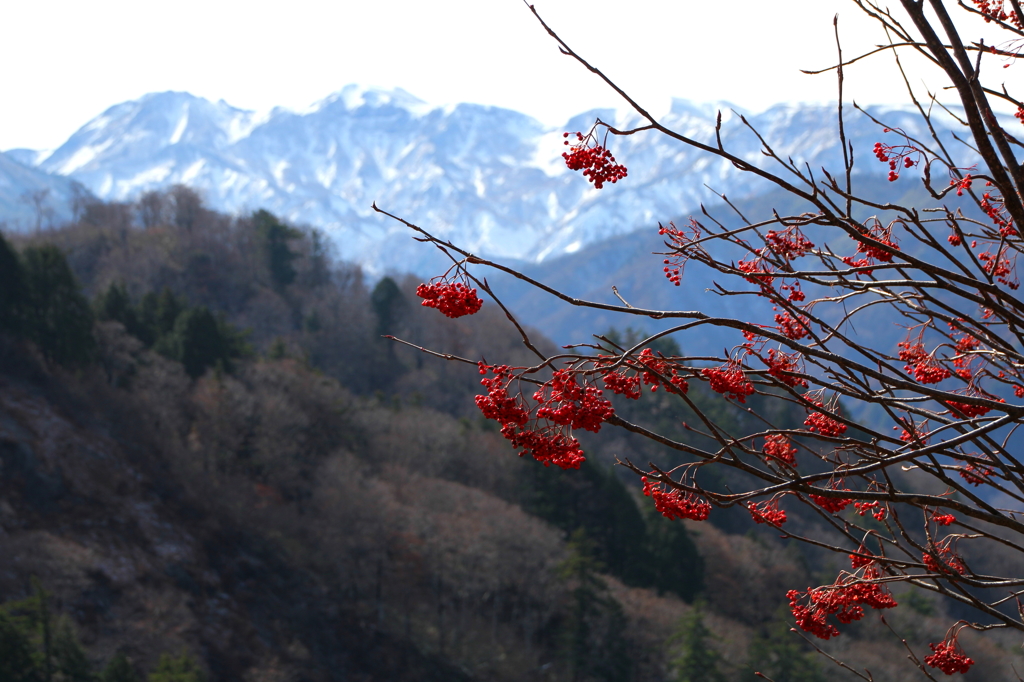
(147, 178)
(193, 171)
(180, 130)
(82, 157)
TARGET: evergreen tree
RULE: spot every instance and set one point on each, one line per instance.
(18, 660)
(593, 644)
(273, 237)
(69, 658)
(674, 565)
(696, 661)
(597, 502)
(115, 304)
(59, 319)
(389, 305)
(184, 668)
(781, 655)
(13, 289)
(318, 272)
(278, 349)
(119, 669)
(642, 551)
(157, 315)
(199, 340)
(26, 635)
(37, 609)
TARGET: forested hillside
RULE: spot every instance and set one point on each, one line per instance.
(215, 467)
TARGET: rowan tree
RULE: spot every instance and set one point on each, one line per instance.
(919, 493)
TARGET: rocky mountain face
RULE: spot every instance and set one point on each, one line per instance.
(489, 179)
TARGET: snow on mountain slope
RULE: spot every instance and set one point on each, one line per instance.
(489, 179)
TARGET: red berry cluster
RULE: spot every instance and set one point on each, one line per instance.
(823, 424)
(833, 505)
(942, 559)
(792, 327)
(911, 353)
(597, 163)
(962, 184)
(548, 448)
(782, 367)
(767, 512)
(730, 381)
(674, 504)
(877, 510)
(621, 384)
(673, 272)
(564, 402)
(845, 600)
(858, 263)
(929, 371)
(949, 658)
(861, 558)
(943, 519)
(895, 156)
(652, 368)
(679, 241)
(954, 237)
(795, 294)
(779, 447)
(498, 404)
(924, 366)
(999, 267)
(547, 444)
(919, 436)
(976, 475)
(757, 272)
(964, 345)
(878, 233)
(453, 299)
(814, 619)
(788, 244)
(658, 366)
(1019, 114)
(995, 208)
(968, 411)
(993, 10)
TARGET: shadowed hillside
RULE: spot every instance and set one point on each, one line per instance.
(223, 463)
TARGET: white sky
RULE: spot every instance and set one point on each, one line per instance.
(66, 61)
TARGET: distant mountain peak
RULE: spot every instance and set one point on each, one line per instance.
(707, 110)
(355, 96)
(488, 178)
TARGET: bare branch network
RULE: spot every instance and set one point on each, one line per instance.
(934, 477)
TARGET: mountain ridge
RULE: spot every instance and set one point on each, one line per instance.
(490, 179)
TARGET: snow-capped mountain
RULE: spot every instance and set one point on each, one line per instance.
(489, 179)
